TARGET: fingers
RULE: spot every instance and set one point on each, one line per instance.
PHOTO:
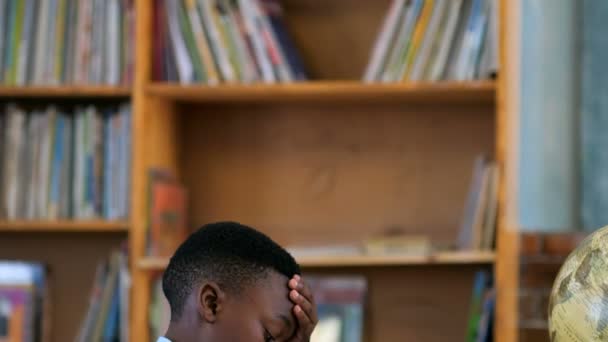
(298, 284)
(303, 303)
(301, 295)
(305, 323)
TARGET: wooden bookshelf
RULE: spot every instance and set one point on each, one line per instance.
(483, 92)
(65, 92)
(444, 258)
(331, 158)
(308, 162)
(63, 226)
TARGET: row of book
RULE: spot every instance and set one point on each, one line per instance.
(212, 41)
(107, 317)
(340, 306)
(66, 42)
(59, 164)
(432, 40)
(23, 302)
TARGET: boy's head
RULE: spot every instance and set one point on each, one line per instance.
(228, 282)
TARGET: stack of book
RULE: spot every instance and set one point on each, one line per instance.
(432, 40)
(478, 225)
(61, 165)
(66, 41)
(107, 318)
(211, 41)
(23, 302)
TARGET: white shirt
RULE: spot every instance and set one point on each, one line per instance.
(163, 339)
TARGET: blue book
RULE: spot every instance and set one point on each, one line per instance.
(58, 160)
(107, 164)
(594, 125)
(275, 14)
(126, 165)
(111, 326)
(480, 285)
(4, 13)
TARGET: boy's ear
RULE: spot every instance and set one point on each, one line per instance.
(211, 301)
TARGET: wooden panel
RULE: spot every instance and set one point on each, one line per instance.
(148, 146)
(507, 263)
(333, 173)
(335, 38)
(64, 226)
(72, 259)
(444, 258)
(413, 304)
(332, 92)
(86, 91)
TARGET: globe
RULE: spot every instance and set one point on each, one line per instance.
(578, 306)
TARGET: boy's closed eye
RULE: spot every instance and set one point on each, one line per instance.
(280, 328)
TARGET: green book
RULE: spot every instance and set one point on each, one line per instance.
(16, 41)
(11, 13)
(199, 72)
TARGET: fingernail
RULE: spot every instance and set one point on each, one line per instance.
(296, 277)
(295, 294)
(298, 309)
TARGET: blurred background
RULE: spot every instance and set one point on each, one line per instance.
(429, 163)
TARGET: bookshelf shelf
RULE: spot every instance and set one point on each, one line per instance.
(443, 258)
(64, 226)
(331, 92)
(84, 91)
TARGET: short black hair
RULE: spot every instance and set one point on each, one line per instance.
(228, 253)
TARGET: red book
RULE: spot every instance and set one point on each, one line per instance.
(168, 218)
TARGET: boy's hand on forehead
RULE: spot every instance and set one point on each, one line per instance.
(304, 309)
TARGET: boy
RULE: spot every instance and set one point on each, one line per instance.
(230, 283)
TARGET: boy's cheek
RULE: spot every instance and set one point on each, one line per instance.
(240, 328)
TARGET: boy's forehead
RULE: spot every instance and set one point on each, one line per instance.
(272, 293)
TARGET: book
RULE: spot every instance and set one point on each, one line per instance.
(56, 42)
(56, 162)
(435, 40)
(481, 309)
(24, 298)
(399, 244)
(478, 224)
(275, 14)
(384, 40)
(107, 315)
(167, 214)
(212, 41)
(340, 307)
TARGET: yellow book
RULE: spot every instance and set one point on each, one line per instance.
(421, 26)
(201, 42)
